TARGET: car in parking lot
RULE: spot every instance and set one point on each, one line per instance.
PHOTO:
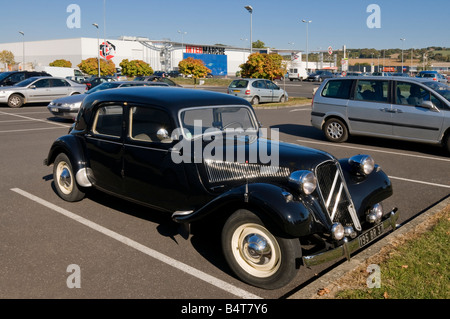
(257, 91)
(432, 75)
(68, 107)
(319, 76)
(409, 109)
(157, 78)
(199, 156)
(14, 77)
(39, 89)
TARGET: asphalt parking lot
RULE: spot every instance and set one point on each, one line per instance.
(124, 250)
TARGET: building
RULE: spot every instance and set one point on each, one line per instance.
(162, 55)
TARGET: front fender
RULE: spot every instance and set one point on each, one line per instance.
(286, 215)
(72, 146)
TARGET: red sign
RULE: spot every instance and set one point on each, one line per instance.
(107, 50)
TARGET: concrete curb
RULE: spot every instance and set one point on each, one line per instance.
(328, 281)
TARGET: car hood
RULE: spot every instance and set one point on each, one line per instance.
(257, 160)
(70, 99)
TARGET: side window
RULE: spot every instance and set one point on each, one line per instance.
(17, 77)
(108, 121)
(145, 122)
(373, 91)
(59, 83)
(45, 83)
(339, 89)
(437, 102)
(411, 94)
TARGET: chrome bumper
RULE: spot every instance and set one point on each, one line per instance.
(349, 247)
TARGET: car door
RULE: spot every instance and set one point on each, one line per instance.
(59, 88)
(262, 90)
(275, 91)
(369, 112)
(39, 91)
(104, 144)
(411, 119)
(151, 176)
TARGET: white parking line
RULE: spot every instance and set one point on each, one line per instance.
(419, 182)
(33, 129)
(146, 250)
(375, 150)
(33, 119)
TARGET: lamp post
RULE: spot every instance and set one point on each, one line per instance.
(182, 41)
(98, 48)
(307, 23)
(403, 41)
(23, 50)
(250, 9)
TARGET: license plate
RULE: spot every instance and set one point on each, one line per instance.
(370, 235)
(54, 109)
(236, 91)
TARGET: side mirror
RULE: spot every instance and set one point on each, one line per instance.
(32, 86)
(163, 136)
(429, 105)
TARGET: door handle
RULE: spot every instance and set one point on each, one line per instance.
(398, 111)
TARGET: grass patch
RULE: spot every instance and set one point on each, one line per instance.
(208, 81)
(292, 102)
(416, 268)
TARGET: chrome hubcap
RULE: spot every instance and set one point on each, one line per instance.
(64, 178)
(256, 250)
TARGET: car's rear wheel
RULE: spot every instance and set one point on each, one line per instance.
(64, 178)
(335, 130)
(15, 101)
(255, 254)
(254, 101)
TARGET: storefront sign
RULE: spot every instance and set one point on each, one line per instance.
(205, 50)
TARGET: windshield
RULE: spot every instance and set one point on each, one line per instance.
(103, 86)
(4, 75)
(440, 88)
(209, 120)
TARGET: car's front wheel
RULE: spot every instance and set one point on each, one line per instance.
(64, 178)
(335, 130)
(15, 101)
(255, 254)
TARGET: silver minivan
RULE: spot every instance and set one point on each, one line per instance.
(392, 107)
(257, 91)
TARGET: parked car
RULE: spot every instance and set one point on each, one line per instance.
(257, 91)
(78, 78)
(14, 77)
(156, 78)
(160, 73)
(93, 81)
(170, 149)
(68, 107)
(319, 76)
(409, 109)
(432, 75)
(174, 74)
(39, 89)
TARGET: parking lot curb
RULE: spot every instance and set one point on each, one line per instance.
(329, 281)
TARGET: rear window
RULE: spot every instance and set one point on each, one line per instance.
(239, 84)
(339, 89)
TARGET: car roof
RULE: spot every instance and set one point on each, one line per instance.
(171, 98)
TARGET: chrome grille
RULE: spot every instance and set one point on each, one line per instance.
(335, 195)
(218, 171)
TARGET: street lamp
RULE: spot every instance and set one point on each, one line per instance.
(250, 9)
(307, 23)
(182, 40)
(98, 48)
(23, 50)
(403, 41)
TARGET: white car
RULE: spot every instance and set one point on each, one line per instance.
(39, 89)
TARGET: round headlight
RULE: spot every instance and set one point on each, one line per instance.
(305, 181)
(337, 231)
(364, 164)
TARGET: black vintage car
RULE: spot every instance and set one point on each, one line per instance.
(199, 156)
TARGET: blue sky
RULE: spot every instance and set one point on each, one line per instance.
(275, 22)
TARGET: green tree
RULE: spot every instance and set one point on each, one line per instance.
(258, 44)
(90, 66)
(194, 67)
(7, 57)
(61, 63)
(263, 66)
(135, 68)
